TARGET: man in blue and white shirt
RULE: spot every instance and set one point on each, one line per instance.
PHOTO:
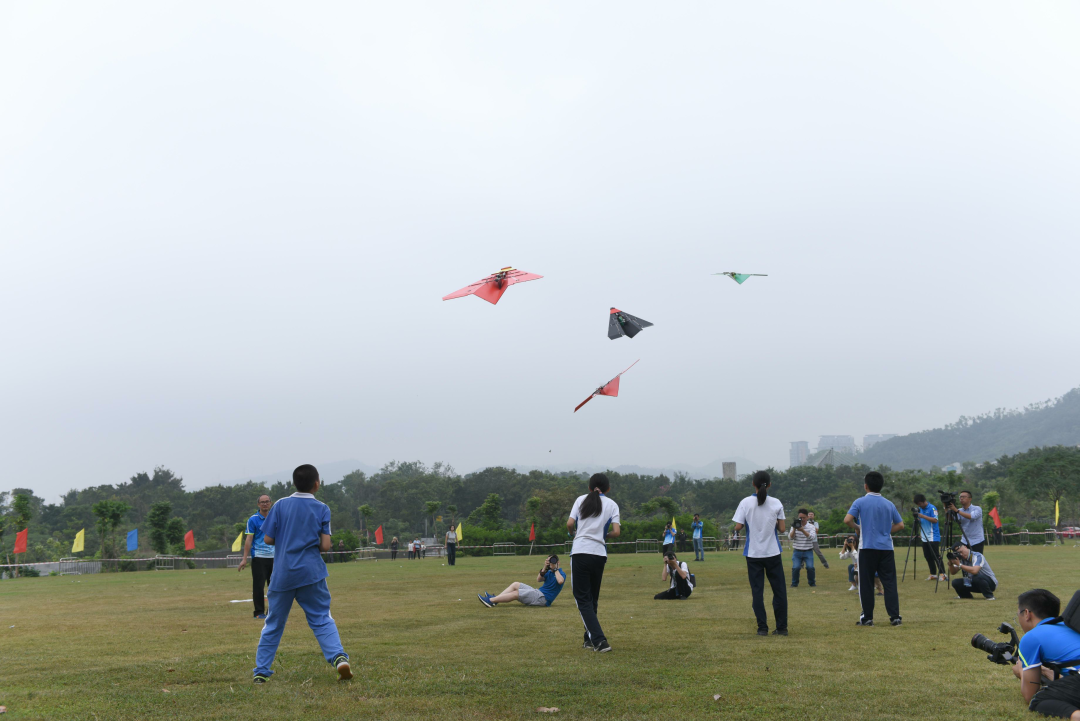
(930, 535)
(977, 575)
(699, 548)
(261, 555)
(1047, 640)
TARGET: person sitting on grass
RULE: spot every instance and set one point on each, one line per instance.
(298, 527)
(679, 574)
(551, 576)
(977, 575)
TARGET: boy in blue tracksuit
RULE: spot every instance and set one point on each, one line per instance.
(299, 528)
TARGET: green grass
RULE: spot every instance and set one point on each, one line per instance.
(170, 645)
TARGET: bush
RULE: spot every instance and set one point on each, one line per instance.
(29, 571)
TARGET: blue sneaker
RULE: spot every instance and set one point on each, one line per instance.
(261, 616)
(485, 600)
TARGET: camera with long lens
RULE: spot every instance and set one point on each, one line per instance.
(797, 523)
(1003, 653)
(948, 498)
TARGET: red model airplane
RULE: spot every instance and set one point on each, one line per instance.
(493, 287)
(611, 388)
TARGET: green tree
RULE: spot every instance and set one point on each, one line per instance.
(431, 508)
(1048, 473)
(110, 514)
(158, 520)
(489, 514)
(366, 512)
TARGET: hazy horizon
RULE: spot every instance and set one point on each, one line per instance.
(225, 230)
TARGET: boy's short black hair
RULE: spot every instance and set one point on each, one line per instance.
(919, 498)
(1040, 602)
(671, 555)
(874, 481)
(305, 477)
(801, 511)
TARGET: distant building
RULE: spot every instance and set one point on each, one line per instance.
(955, 467)
(800, 451)
(843, 444)
(729, 471)
(868, 441)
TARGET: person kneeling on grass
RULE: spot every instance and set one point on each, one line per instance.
(681, 583)
(977, 575)
(551, 576)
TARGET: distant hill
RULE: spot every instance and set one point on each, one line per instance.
(713, 469)
(331, 472)
(985, 437)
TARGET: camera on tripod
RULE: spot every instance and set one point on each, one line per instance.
(948, 498)
(1003, 653)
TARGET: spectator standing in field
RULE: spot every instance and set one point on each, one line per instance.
(763, 519)
(669, 539)
(970, 517)
(341, 551)
(930, 536)
(261, 555)
(803, 535)
(299, 527)
(451, 545)
(877, 519)
(680, 539)
(699, 548)
(411, 550)
(817, 549)
(394, 543)
(593, 519)
(421, 549)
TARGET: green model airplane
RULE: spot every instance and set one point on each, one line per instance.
(740, 278)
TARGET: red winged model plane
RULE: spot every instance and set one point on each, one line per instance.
(611, 388)
(493, 287)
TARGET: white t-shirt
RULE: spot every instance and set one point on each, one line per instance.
(762, 538)
(589, 532)
(673, 574)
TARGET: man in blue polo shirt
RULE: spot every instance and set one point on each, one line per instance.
(551, 576)
(299, 528)
(930, 535)
(1047, 640)
(877, 519)
(261, 555)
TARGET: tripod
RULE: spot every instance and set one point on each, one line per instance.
(911, 538)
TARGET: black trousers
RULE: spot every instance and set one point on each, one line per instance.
(978, 547)
(773, 567)
(931, 551)
(451, 553)
(979, 584)
(261, 568)
(883, 563)
(586, 573)
(393, 554)
(681, 589)
(668, 548)
(1059, 698)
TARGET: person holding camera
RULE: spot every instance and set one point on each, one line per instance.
(970, 518)
(977, 574)
(763, 519)
(669, 539)
(682, 585)
(699, 544)
(802, 535)
(930, 535)
(877, 519)
(850, 552)
(1047, 640)
(551, 577)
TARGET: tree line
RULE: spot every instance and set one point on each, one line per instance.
(500, 504)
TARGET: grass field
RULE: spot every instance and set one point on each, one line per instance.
(170, 645)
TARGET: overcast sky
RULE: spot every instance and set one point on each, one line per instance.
(225, 229)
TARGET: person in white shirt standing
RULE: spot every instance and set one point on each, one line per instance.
(763, 519)
(803, 536)
(593, 519)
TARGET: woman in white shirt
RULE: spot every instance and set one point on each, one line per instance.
(763, 519)
(594, 517)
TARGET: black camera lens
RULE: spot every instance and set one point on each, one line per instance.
(982, 643)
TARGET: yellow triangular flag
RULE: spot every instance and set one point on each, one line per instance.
(238, 543)
(673, 526)
(80, 540)
(459, 527)
(1057, 510)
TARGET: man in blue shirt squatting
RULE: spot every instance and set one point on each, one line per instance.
(878, 519)
(699, 544)
(930, 535)
(551, 576)
(1047, 640)
(261, 555)
(298, 526)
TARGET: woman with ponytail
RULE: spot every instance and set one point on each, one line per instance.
(763, 518)
(594, 517)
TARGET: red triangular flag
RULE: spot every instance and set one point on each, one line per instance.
(532, 532)
(994, 515)
(20, 540)
(189, 541)
(378, 535)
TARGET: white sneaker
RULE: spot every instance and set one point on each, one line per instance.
(932, 578)
(853, 588)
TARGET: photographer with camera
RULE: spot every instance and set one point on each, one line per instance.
(978, 576)
(699, 548)
(930, 534)
(970, 518)
(551, 576)
(669, 539)
(803, 535)
(682, 584)
(877, 519)
(1048, 639)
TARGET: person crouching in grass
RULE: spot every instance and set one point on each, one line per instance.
(299, 528)
(551, 576)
